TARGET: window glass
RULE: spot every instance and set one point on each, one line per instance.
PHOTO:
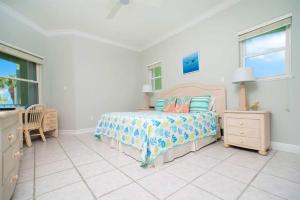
(18, 93)
(267, 53)
(267, 42)
(18, 82)
(272, 64)
(157, 84)
(156, 72)
(155, 76)
(11, 66)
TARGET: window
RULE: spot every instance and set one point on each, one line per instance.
(155, 76)
(19, 81)
(267, 50)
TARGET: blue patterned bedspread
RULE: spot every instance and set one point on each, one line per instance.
(153, 133)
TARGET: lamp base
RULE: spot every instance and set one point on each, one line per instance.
(243, 98)
(146, 100)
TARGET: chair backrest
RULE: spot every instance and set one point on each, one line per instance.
(34, 116)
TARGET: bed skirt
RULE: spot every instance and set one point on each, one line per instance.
(168, 156)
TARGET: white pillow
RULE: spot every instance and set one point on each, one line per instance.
(212, 104)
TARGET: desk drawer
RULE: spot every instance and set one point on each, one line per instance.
(50, 121)
(9, 136)
(244, 141)
(245, 132)
(49, 127)
(51, 114)
(243, 123)
(11, 157)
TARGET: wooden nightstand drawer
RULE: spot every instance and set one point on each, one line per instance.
(244, 141)
(248, 129)
(247, 123)
(245, 132)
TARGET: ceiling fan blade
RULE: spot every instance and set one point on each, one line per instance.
(113, 12)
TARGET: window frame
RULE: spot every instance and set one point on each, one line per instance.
(287, 49)
(26, 55)
(38, 81)
(151, 78)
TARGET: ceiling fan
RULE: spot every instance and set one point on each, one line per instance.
(120, 3)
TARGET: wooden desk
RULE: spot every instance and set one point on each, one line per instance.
(49, 123)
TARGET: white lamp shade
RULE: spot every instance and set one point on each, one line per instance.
(147, 88)
(243, 74)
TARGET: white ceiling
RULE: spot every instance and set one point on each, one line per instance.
(136, 25)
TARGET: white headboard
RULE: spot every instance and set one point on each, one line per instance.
(218, 92)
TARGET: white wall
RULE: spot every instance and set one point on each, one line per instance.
(61, 72)
(216, 41)
(98, 78)
(107, 79)
(15, 32)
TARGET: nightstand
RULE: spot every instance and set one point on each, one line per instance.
(248, 129)
(145, 109)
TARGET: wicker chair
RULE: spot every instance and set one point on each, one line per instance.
(33, 121)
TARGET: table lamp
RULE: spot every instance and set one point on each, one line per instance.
(147, 88)
(243, 75)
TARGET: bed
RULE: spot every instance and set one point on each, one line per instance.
(155, 137)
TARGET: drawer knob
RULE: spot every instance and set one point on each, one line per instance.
(10, 137)
(17, 155)
(241, 124)
(242, 133)
(242, 142)
(14, 178)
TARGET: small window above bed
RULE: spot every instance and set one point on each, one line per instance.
(155, 76)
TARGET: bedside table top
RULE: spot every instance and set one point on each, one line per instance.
(144, 108)
(247, 111)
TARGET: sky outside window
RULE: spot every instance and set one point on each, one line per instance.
(8, 69)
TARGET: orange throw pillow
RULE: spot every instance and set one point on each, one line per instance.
(183, 104)
(170, 105)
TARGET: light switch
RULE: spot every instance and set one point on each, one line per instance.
(65, 88)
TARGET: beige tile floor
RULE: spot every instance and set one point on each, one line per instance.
(81, 167)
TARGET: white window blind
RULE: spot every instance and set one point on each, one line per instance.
(265, 29)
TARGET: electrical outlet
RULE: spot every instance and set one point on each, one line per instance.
(92, 118)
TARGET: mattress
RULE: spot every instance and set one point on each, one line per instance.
(154, 133)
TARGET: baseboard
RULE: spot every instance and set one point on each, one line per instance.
(286, 147)
(76, 132)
